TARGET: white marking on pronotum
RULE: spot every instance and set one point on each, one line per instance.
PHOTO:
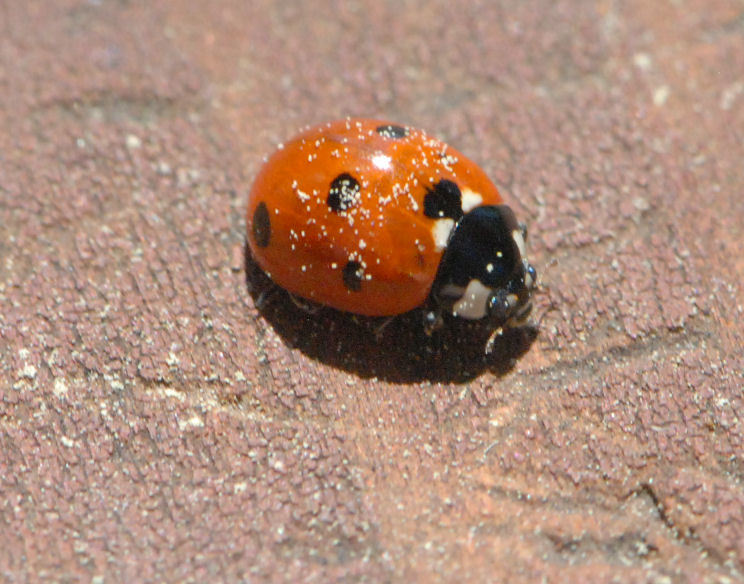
(470, 200)
(472, 304)
(441, 232)
(519, 240)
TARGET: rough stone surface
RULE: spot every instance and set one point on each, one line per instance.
(155, 426)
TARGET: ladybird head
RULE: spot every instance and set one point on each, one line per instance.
(484, 273)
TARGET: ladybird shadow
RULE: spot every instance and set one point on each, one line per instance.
(401, 352)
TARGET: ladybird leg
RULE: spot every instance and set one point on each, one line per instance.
(378, 329)
(432, 321)
(492, 339)
(551, 307)
(305, 305)
(374, 325)
(265, 296)
(523, 336)
(523, 229)
(521, 318)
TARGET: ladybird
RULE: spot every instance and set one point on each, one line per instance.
(376, 219)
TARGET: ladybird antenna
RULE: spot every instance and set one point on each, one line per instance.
(546, 290)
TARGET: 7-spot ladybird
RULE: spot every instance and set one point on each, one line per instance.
(376, 219)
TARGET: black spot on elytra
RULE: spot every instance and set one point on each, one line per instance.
(353, 276)
(444, 199)
(392, 131)
(344, 193)
(261, 225)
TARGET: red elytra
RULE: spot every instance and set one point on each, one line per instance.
(358, 214)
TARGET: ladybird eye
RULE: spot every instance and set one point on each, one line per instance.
(498, 307)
